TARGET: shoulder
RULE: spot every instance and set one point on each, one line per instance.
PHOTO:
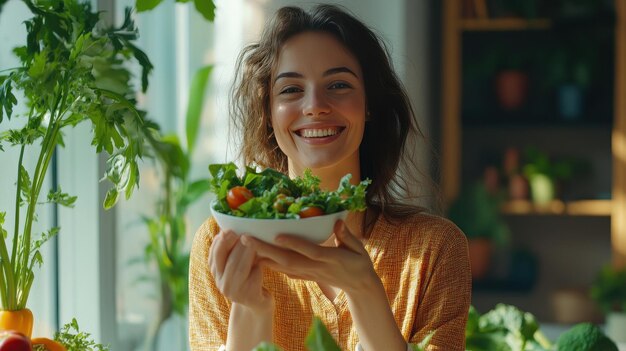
(423, 229)
(204, 235)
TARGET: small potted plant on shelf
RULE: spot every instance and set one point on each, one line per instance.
(545, 173)
(511, 80)
(476, 212)
(609, 292)
(570, 69)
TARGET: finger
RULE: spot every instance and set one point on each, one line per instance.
(345, 237)
(305, 247)
(238, 265)
(277, 254)
(291, 273)
(221, 248)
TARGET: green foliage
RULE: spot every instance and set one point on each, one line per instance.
(264, 346)
(204, 7)
(72, 70)
(75, 340)
(477, 213)
(585, 337)
(319, 339)
(61, 198)
(146, 5)
(539, 162)
(504, 328)
(421, 346)
(168, 228)
(609, 289)
(196, 102)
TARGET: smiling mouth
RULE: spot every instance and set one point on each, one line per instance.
(319, 133)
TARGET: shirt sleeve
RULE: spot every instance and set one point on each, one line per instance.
(209, 310)
(446, 297)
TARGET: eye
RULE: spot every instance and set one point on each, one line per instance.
(340, 85)
(290, 90)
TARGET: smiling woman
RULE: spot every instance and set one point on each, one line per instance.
(318, 92)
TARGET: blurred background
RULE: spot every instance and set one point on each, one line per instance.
(522, 101)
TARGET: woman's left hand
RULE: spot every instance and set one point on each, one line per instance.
(346, 266)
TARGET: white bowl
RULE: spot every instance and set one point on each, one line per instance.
(315, 229)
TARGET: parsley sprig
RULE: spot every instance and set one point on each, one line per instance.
(72, 70)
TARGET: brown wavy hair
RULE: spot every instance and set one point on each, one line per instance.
(384, 157)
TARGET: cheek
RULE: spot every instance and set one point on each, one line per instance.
(356, 110)
(282, 116)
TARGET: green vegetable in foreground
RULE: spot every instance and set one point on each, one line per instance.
(585, 337)
(507, 328)
(277, 196)
(319, 339)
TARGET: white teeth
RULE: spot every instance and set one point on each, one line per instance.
(319, 133)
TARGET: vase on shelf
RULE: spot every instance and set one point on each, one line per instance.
(511, 89)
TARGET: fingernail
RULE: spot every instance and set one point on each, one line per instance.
(279, 240)
(245, 240)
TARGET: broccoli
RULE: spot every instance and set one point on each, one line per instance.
(585, 337)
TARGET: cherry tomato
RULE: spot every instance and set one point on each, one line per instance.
(237, 196)
(311, 211)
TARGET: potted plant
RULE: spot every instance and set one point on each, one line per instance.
(609, 292)
(511, 81)
(543, 173)
(508, 72)
(476, 212)
(72, 70)
(570, 71)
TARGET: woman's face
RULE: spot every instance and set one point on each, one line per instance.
(317, 100)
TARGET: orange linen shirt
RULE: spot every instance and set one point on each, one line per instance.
(422, 262)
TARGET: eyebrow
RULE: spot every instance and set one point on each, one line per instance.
(328, 72)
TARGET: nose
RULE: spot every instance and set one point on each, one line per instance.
(315, 103)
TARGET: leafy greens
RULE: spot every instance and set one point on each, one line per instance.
(268, 184)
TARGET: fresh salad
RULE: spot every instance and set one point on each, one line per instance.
(270, 194)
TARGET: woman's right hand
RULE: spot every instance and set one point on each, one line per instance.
(240, 279)
(237, 275)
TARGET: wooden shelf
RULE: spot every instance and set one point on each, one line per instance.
(559, 208)
(503, 24)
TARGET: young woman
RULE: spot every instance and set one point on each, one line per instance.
(318, 91)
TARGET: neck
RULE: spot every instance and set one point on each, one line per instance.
(329, 181)
(330, 176)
